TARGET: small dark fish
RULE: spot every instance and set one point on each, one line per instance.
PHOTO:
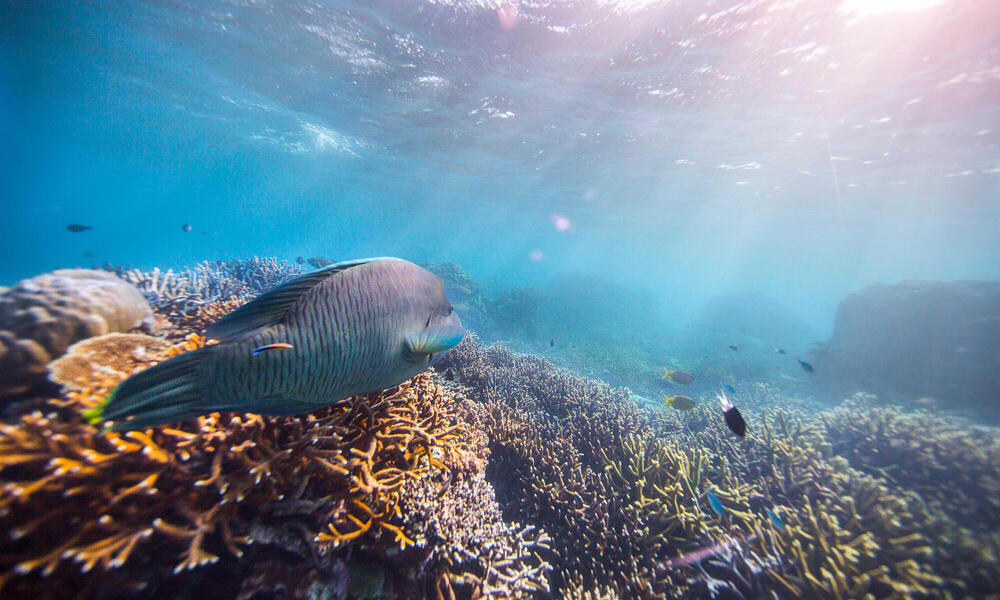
(808, 368)
(301, 260)
(89, 254)
(734, 420)
(733, 348)
(678, 376)
(320, 262)
(77, 228)
(715, 503)
(277, 346)
(186, 227)
(779, 350)
(730, 389)
(552, 342)
(775, 519)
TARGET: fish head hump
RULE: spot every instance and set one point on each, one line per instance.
(431, 324)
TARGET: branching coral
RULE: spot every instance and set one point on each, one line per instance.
(949, 469)
(72, 494)
(183, 294)
(622, 492)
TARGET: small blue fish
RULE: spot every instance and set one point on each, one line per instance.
(715, 503)
(730, 389)
(808, 368)
(277, 346)
(775, 519)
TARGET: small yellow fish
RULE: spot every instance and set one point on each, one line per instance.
(679, 402)
(678, 376)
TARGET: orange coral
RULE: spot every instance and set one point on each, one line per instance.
(73, 494)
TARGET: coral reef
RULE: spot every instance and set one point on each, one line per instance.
(622, 492)
(180, 295)
(112, 513)
(499, 475)
(918, 338)
(113, 357)
(42, 316)
(948, 466)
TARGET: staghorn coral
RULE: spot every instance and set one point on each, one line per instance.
(75, 501)
(469, 543)
(181, 295)
(42, 316)
(917, 453)
(621, 492)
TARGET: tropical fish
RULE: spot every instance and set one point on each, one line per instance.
(775, 519)
(276, 346)
(678, 376)
(730, 388)
(357, 326)
(734, 420)
(808, 368)
(77, 228)
(679, 402)
(301, 260)
(186, 228)
(779, 350)
(715, 503)
(319, 262)
(552, 342)
(733, 348)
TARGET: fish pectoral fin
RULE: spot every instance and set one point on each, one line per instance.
(432, 340)
(271, 307)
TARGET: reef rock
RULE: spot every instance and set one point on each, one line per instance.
(42, 316)
(918, 339)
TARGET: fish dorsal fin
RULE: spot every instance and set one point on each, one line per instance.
(271, 307)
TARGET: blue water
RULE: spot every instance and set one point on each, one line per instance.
(796, 151)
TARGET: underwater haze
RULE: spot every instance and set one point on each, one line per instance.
(647, 215)
(799, 150)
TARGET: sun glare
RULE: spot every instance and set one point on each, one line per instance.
(870, 8)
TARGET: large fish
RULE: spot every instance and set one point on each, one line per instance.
(350, 328)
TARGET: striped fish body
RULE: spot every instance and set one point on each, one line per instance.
(349, 337)
(350, 328)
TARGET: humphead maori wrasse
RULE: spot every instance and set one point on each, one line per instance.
(349, 328)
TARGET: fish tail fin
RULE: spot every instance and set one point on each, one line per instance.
(669, 400)
(666, 373)
(166, 393)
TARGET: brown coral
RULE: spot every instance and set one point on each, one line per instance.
(71, 494)
(42, 316)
